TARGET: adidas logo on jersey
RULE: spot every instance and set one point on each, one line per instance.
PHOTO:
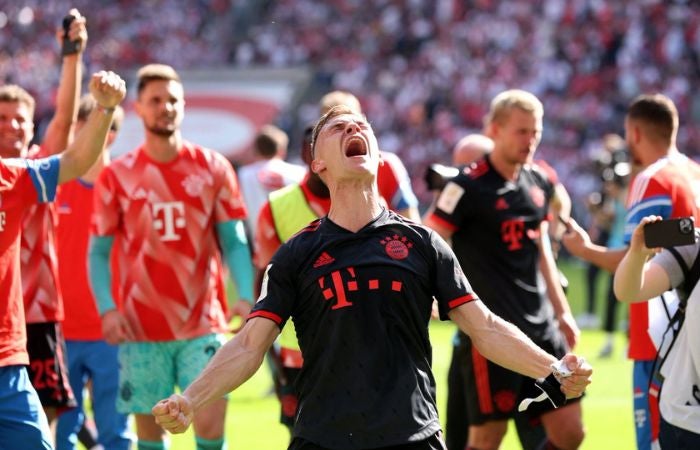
(322, 260)
(501, 204)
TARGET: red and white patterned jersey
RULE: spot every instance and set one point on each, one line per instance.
(22, 183)
(40, 285)
(163, 216)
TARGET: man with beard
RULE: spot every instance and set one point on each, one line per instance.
(668, 186)
(43, 305)
(167, 205)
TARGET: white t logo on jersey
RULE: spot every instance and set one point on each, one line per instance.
(168, 216)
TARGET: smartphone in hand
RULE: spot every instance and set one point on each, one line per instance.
(69, 47)
(670, 233)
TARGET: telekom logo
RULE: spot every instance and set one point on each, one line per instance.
(343, 282)
(512, 233)
(168, 217)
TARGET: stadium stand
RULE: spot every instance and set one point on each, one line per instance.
(424, 70)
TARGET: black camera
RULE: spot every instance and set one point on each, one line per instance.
(437, 176)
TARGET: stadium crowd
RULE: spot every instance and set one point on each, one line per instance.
(424, 73)
(423, 70)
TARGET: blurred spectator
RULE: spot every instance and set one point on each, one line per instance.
(603, 207)
(423, 69)
(470, 148)
(269, 172)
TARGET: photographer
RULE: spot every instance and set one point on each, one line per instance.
(604, 206)
(663, 186)
(638, 279)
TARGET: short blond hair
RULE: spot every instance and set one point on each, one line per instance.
(506, 101)
(336, 98)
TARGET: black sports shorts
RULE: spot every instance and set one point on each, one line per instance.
(47, 365)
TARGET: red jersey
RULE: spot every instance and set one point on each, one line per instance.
(40, 285)
(668, 188)
(22, 183)
(163, 216)
(74, 209)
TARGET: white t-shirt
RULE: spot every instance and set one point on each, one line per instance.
(260, 178)
(680, 395)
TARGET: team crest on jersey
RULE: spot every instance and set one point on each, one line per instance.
(537, 196)
(194, 185)
(140, 194)
(504, 400)
(396, 246)
(64, 208)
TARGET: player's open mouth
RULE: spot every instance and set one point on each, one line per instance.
(355, 146)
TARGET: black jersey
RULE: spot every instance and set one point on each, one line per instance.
(361, 303)
(496, 229)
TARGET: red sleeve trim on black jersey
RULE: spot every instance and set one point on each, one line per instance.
(267, 315)
(443, 222)
(452, 304)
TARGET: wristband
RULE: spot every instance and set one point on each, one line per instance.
(551, 390)
(105, 110)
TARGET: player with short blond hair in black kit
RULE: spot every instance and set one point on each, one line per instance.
(495, 213)
(358, 285)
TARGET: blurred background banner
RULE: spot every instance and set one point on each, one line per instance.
(225, 108)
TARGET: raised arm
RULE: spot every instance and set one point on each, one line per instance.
(60, 129)
(637, 279)
(109, 90)
(230, 367)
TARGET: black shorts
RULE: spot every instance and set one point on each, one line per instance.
(493, 392)
(434, 442)
(47, 365)
(529, 427)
